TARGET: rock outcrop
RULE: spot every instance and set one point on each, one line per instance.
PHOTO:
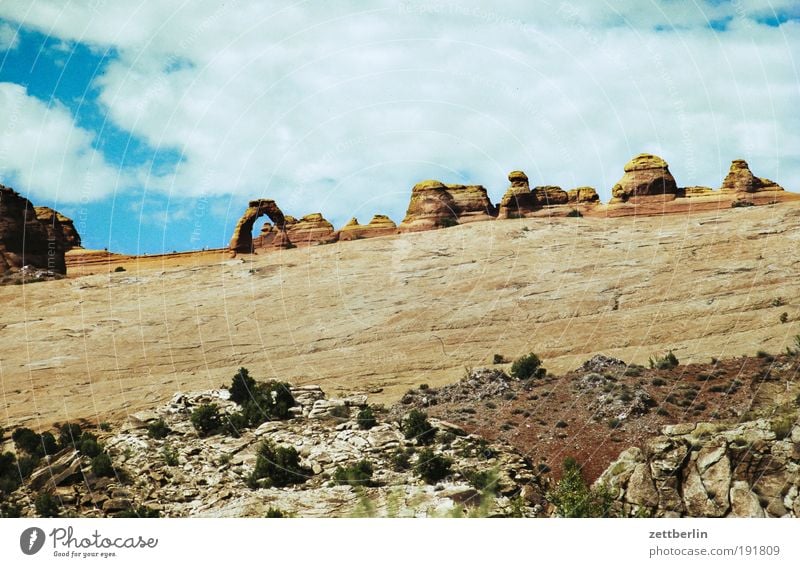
(310, 230)
(646, 176)
(741, 180)
(518, 201)
(751, 469)
(431, 207)
(242, 240)
(583, 195)
(62, 227)
(380, 225)
(550, 195)
(471, 203)
(25, 240)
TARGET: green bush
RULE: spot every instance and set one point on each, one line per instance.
(416, 426)
(784, 318)
(401, 459)
(9, 474)
(359, 474)
(101, 465)
(27, 465)
(170, 455)
(235, 423)
(47, 506)
(119, 269)
(528, 366)
(206, 419)
(69, 435)
(574, 213)
(28, 441)
(270, 401)
(243, 387)
(432, 467)
(275, 513)
(664, 362)
(498, 359)
(158, 429)
(366, 418)
(483, 481)
(89, 446)
(573, 498)
(48, 443)
(276, 466)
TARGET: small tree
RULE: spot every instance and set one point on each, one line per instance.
(206, 419)
(101, 465)
(271, 400)
(47, 506)
(573, 498)
(664, 362)
(366, 418)
(243, 387)
(89, 446)
(69, 435)
(276, 466)
(528, 366)
(416, 426)
(27, 440)
(158, 429)
(359, 474)
(432, 467)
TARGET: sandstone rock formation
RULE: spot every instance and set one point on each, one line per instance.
(751, 469)
(550, 195)
(380, 225)
(741, 180)
(646, 176)
(242, 240)
(67, 231)
(25, 240)
(518, 200)
(581, 195)
(471, 203)
(310, 230)
(431, 207)
(695, 191)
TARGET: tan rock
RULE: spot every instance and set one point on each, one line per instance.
(67, 231)
(242, 239)
(518, 201)
(741, 180)
(744, 502)
(471, 203)
(380, 225)
(645, 176)
(431, 207)
(549, 195)
(311, 230)
(583, 195)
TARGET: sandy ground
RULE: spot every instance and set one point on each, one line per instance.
(384, 314)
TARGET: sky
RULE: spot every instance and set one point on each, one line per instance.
(152, 123)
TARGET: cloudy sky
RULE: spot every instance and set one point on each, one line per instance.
(152, 123)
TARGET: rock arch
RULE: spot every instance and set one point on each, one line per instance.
(242, 240)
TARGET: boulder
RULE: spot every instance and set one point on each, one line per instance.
(582, 195)
(645, 175)
(380, 225)
(549, 195)
(311, 230)
(741, 180)
(431, 207)
(471, 203)
(25, 240)
(519, 201)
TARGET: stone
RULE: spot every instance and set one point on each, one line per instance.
(26, 240)
(471, 203)
(380, 225)
(579, 195)
(641, 490)
(741, 180)
(646, 176)
(60, 467)
(431, 207)
(63, 227)
(311, 230)
(242, 239)
(518, 201)
(550, 195)
(695, 191)
(744, 502)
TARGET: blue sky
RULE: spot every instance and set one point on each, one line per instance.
(153, 124)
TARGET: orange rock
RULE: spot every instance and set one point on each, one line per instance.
(242, 240)
(741, 180)
(646, 176)
(380, 225)
(583, 195)
(431, 207)
(310, 230)
(518, 200)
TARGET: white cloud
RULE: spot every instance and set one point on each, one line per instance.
(342, 107)
(8, 37)
(44, 153)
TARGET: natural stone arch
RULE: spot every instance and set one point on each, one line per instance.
(242, 240)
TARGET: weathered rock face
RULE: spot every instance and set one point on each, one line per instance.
(518, 201)
(646, 175)
(471, 203)
(68, 233)
(310, 230)
(242, 240)
(583, 195)
(741, 180)
(709, 470)
(25, 240)
(380, 225)
(431, 207)
(550, 195)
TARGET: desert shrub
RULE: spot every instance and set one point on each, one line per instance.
(359, 474)
(69, 435)
(366, 418)
(432, 467)
(573, 498)
(614, 423)
(275, 513)
(634, 370)
(242, 387)
(528, 366)
(9, 474)
(235, 423)
(498, 359)
(269, 401)
(138, 512)
(664, 362)
(101, 465)
(416, 426)
(26, 465)
(484, 481)
(784, 318)
(276, 466)
(741, 203)
(119, 269)
(561, 424)
(782, 426)
(89, 446)
(158, 429)
(27, 440)
(2, 432)
(763, 354)
(401, 459)
(574, 213)
(170, 455)
(206, 419)
(48, 443)
(105, 426)
(47, 506)
(658, 382)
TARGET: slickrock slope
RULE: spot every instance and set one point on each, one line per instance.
(380, 225)
(390, 313)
